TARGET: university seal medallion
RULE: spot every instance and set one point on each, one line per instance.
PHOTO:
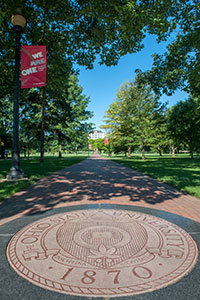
(102, 253)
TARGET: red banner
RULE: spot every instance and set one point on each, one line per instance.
(33, 66)
(106, 141)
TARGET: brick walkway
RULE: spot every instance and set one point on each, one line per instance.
(98, 180)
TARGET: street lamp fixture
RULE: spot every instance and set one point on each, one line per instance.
(19, 22)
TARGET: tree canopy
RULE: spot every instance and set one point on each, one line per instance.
(83, 29)
(79, 31)
(179, 66)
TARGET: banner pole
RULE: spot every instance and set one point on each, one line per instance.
(15, 171)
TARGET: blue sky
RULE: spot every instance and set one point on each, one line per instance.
(101, 83)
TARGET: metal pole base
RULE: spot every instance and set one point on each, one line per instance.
(15, 174)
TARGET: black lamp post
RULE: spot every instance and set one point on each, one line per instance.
(19, 23)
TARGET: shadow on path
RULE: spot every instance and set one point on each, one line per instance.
(94, 179)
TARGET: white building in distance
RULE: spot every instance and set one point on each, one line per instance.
(97, 134)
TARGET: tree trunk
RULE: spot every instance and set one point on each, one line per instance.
(159, 151)
(60, 150)
(192, 154)
(2, 150)
(173, 151)
(143, 152)
(42, 126)
(129, 151)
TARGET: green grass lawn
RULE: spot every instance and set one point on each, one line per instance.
(181, 171)
(34, 170)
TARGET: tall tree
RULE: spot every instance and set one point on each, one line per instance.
(30, 120)
(66, 116)
(134, 117)
(146, 115)
(69, 114)
(184, 124)
(118, 122)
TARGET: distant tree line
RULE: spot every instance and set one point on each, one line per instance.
(99, 145)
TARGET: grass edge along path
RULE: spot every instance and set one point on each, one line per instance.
(180, 171)
(33, 171)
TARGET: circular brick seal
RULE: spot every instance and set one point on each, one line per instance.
(102, 253)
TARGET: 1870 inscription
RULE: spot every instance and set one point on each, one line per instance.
(105, 253)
